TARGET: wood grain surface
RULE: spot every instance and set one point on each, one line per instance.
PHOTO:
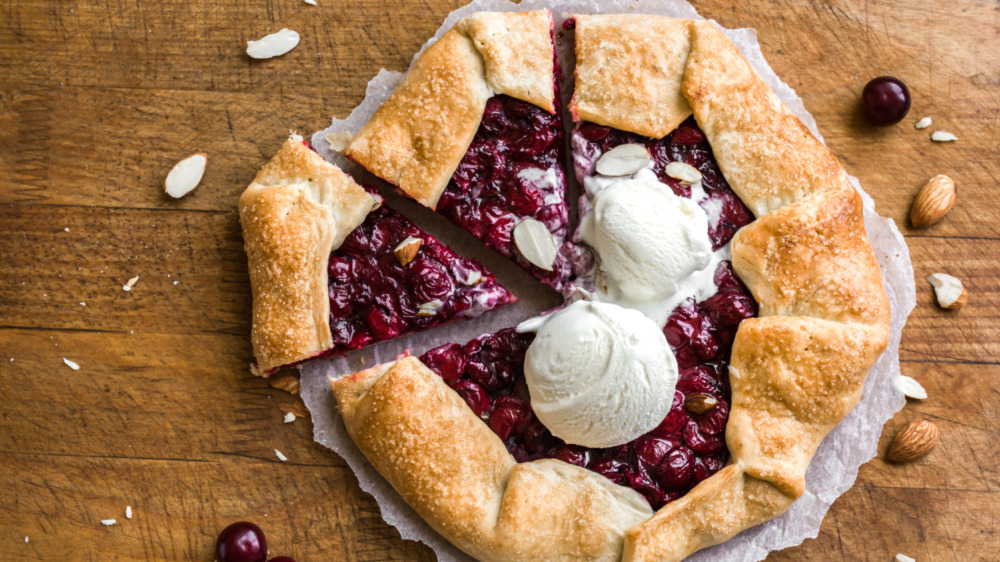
(99, 99)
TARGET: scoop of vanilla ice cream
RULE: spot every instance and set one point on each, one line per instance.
(598, 374)
(647, 238)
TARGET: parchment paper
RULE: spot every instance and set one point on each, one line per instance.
(835, 466)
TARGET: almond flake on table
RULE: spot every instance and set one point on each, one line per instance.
(281, 457)
(185, 176)
(904, 558)
(128, 512)
(131, 282)
(70, 364)
(289, 417)
(943, 136)
(273, 45)
(911, 388)
(923, 123)
(66, 229)
(108, 522)
(25, 538)
(310, 2)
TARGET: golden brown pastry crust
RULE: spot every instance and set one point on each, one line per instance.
(629, 70)
(405, 420)
(795, 371)
(294, 213)
(417, 138)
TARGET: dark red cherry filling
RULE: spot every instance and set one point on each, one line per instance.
(687, 144)
(374, 298)
(684, 449)
(498, 182)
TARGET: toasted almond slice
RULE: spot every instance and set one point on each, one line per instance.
(684, 172)
(273, 45)
(339, 140)
(910, 387)
(474, 278)
(429, 308)
(185, 175)
(535, 243)
(943, 136)
(950, 292)
(623, 160)
(407, 250)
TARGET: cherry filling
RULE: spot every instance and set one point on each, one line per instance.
(726, 212)
(686, 447)
(689, 444)
(374, 298)
(512, 171)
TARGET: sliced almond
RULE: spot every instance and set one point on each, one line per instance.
(185, 175)
(289, 417)
(287, 382)
(923, 123)
(70, 364)
(623, 160)
(535, 243)
(473, 278)
(943, 136)
(683, 172)
(913, 441)
(910, 387)
(935, 199)
(429, 308)
(950, 292)
(339, 140)
(273, 45)
(904, 558)
(298, 408)
(700, 403)
(407, 250)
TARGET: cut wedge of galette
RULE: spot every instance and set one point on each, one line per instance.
(475, 132)
(731, 302)
(332, 269)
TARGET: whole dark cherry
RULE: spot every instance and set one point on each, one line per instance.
(885, 100)
(241, 542)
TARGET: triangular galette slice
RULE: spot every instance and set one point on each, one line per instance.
(474, 131)
(332, 269)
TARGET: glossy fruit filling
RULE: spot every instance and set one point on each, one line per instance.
(689, 444)
(374, 298)
(512, 171)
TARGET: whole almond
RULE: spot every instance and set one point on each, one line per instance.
(932, 203)
(700, 403)
(287, 382)
(913, 441)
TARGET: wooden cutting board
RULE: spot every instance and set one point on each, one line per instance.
(99, 99)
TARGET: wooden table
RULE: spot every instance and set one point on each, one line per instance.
(99, 99)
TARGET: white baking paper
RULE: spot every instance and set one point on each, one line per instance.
(835, 466)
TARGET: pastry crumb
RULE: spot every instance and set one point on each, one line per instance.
(281, 457)
(128, 512)
(289, 417)
(71, 364)
(131, 283)
(108, 522)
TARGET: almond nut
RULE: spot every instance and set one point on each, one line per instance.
(623, 160)
(185, 175)
(273, 45)
(934, 200)
(407, 250)
(700, 403)
(949, 290)
(535, 243)
(298, 408)
(913, 441)
(287, 382)
(683, 172)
